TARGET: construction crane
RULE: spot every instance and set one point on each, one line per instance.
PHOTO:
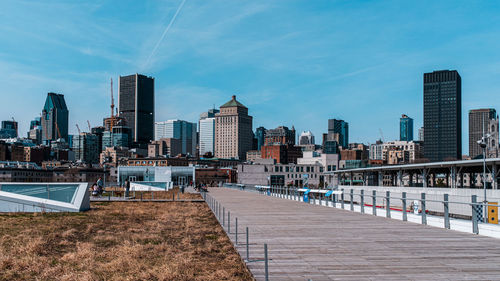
(78, 128)
(112, 100)
(381, 134)
(88, 123)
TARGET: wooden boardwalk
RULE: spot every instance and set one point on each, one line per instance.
(319, 243)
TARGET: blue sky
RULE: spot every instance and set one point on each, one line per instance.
(290, 62)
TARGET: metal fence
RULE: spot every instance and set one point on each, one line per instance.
(223, 216)
(400, 203)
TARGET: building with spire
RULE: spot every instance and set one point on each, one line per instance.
(233, 130)
(55, 117)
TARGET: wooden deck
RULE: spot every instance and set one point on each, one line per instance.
(320, 243)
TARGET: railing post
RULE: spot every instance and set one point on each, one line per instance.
(342, 199)
(422, 202)
(446, 211)
(362, 200)
(248, 254)
(223, 216)
(228, 223)
(266, 265)
(374, 201)
(236, 237)
(403, 208)
(352, 199)
(388, 204)
(475, 215)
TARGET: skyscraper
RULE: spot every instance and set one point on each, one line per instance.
(341, 128)
(85, 146)
(405, 128)
(483, 122)
(260, 135)
(136, 103)
(178, 129)
(207, 132)
(233, 130)
(442, 115)
(55, 117)
(421, 134)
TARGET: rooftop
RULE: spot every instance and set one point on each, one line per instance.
(233, 102)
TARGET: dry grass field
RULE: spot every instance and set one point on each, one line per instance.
(119, 241)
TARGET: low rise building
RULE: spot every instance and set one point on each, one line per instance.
(282, 175)
(215, 176)
(253, 155)
(380, 151)
(114, 156)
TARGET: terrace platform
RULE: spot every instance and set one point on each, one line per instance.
(320, 243)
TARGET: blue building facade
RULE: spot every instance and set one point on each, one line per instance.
(341, 128)
(55, 117)
(260, 135)
(405, 128)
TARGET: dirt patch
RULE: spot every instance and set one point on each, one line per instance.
(119, 241)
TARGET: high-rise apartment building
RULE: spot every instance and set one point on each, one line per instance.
(442, 115)
(55, 117)
(483, 122)
(207, 132)
(85, 146)
(405, 128)
(120, 136)
(341, 128)
(178, 129)
(421, 134)
(136, 101)
(233, 130)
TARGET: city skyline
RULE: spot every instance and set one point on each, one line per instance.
(340, 80)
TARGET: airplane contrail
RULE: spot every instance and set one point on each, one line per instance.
(165, 31)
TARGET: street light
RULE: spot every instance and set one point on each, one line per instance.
(483, 144)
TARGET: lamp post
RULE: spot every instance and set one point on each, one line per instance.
(483, 144)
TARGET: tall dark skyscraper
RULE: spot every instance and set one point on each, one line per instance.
(442, 115)
(405, 128)
(341, 128)
(55, 117)
(136, 103)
